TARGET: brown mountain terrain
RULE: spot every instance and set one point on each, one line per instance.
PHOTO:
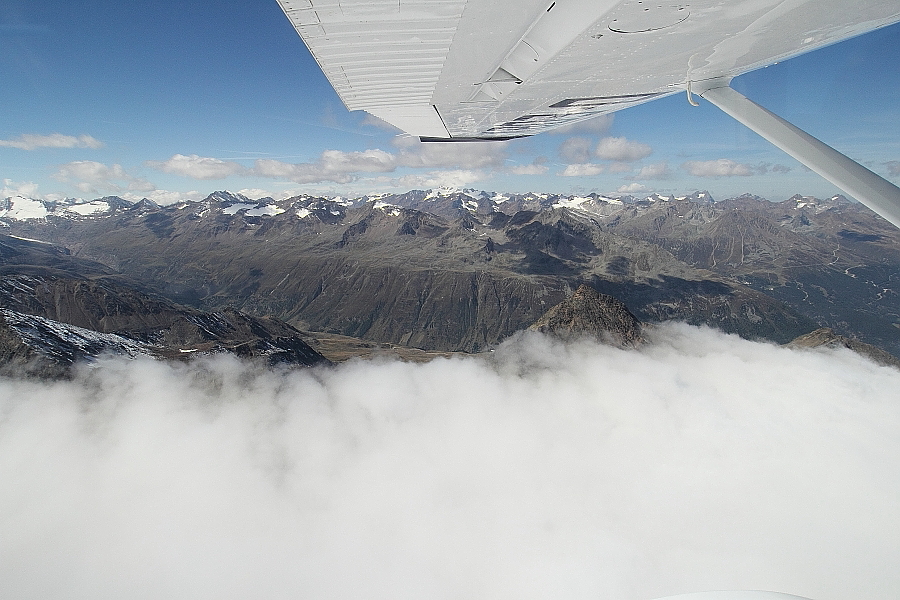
(58, 309)
(375, 270)
(827, 338)
(590, 313)
(833, 261)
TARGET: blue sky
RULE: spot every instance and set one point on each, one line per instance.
(173, 100)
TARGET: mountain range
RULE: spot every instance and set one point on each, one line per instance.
(459, 270)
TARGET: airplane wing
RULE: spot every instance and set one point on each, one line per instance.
(739, 595)
(459, 70)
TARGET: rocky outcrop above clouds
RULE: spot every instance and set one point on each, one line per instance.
(588, 313)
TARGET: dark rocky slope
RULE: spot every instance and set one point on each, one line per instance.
(403, 276)
(60, 309)
(827, 338)
(590, 313)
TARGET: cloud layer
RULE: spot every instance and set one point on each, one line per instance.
(701, 461)
(337, 166)
(32, 141)
(90, 176)
(723, 167)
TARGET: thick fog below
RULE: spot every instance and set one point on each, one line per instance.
(545, 470)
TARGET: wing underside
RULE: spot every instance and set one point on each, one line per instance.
(496, 69)
(500, 69)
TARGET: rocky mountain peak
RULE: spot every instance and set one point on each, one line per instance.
(827, 338)
(587, 312)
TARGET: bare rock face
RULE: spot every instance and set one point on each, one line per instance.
(589, 313)
(34, 346)
(57, 310)
(829, 339)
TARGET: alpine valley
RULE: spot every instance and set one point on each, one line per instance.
(459, 270)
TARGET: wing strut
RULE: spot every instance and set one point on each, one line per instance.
(874, 191)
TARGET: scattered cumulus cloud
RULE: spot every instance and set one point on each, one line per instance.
(655, 171)
(633, 188)
(621, 149)
(893, 167)
(166, 197)
(596, 125)
(575, 150)
(27, 189)
(435, 179)
(255, 193)
(536, 168)
(619, 167)
(465, 160)
(455, 155)
(89, 176)
(723, 167)
(701, 461)
(766, 168)
(197, 167)
(367, 161)
(32, 141)
(333, 165)
(582, 170)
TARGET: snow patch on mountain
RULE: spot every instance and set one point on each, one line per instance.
(89, 208)
(21, 208)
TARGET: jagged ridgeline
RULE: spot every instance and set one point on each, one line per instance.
(459, 270)
(56, 310)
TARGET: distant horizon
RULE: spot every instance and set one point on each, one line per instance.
(445, 190)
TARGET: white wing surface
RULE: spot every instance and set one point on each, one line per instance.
(507, 68)
(458, 70)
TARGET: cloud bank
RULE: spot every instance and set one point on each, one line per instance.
(197, 167)
(90, 176)
(621, 149)
(701, 461)
(32, 141)
(722, 167)
(337, 166)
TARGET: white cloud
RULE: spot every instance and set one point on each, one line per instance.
(582, 170)
(435, 179)
(333, 165)
(337, 166)
(655, 171)
(621, 149)
(166, 197)
(597, 125)
(575, 150)
(619, 167)
(27, 189)
(532, 169)
(545, 471)
(197, 167)
(89, 176)
(455, 155)
(893, 167)
(298, 173)
(31, 141)
(723, 167)
(765, 168)
(633, 188)
(255, 193)
(367, 161)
